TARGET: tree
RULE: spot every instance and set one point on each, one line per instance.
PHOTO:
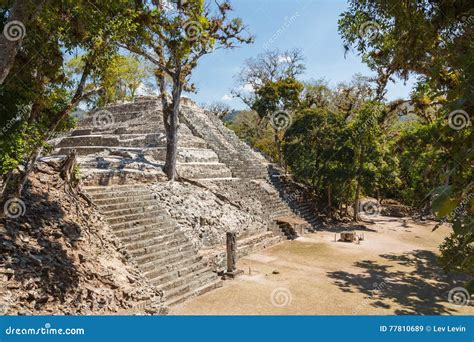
(174, 38)
(366, 141)
(16, 18)
(317, 152)
(387, 36)
(118, 81)
(267, 67)
(274, 102)
(37, 94)
(219, 109)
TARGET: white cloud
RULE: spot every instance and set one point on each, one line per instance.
(144, 90)
(227, 97)
(246, 87)
(283, 58)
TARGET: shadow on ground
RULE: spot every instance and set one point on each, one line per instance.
(421, 289)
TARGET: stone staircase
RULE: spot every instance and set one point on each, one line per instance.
(294, 195)
(246, 163)
(126, 142)
(154, 242)
(241, 159)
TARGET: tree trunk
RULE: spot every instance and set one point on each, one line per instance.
(356, 202)
(38, 149)
(23, 12)
(172, 117)
(30, 163)
(358, 176)
(280, 154)
(329, 201)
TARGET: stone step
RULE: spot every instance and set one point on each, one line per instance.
(186, 278)
(143, 225)
(159, 215)
(141, 221)
(153, 271)
(161, 279)
(190, 286)
(86, 150)
(122, 176)
(148, 234)
(162, 251)
(118, 200)
(149, 266)
(107, 207)
(111, 140)
(157, 244)
(134, 209)
(113, 189)
(177, 299)
(157, 258)
(164, 228)
(138, 241)
(114, 192)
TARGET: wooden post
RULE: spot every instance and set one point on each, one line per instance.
(231, 242)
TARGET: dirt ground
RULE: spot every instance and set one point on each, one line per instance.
(392, 271)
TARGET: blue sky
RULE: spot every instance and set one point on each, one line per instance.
(310, 25)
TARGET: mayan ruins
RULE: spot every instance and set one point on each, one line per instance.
(176, 233)
(201, 158)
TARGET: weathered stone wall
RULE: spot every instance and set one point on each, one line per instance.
(206, 217)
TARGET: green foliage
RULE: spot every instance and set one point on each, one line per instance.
(283, 94)
(39, 92)
(434, 41)
(318, 151)
(119, 80)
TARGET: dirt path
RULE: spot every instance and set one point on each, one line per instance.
(393, 271)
